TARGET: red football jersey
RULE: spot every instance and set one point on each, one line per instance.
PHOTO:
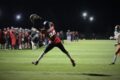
(52, 35)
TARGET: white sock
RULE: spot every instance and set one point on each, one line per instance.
(114, 58)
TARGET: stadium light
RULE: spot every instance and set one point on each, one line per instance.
(91, 18)
(18, 16)
(84, 14)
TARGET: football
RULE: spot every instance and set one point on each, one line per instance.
(34, 17)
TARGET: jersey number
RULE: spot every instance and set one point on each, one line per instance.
(51, 34)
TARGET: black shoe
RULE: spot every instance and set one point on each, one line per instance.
(73, 63)
(112, 63)
(35, 63)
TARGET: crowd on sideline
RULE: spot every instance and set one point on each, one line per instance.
(19, 38)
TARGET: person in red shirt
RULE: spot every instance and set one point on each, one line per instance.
(13, 38)
(54, 41)
(2, 42)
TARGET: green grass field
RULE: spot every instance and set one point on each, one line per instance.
(92, 58)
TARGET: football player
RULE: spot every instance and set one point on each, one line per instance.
(54, 41)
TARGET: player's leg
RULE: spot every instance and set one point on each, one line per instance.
(61, 47)
(116, 53)
(117, 50)
(48, 48)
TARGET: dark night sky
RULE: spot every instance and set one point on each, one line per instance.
(66, 14)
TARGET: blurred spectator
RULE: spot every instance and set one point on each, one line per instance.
(76, 36)
(68, 35)
(1, 39)
(13, 38)
(61, 35)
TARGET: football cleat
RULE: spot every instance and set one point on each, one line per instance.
(73, 63)
(112, 63)
(35, 63)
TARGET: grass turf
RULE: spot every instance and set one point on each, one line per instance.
(92, 58)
